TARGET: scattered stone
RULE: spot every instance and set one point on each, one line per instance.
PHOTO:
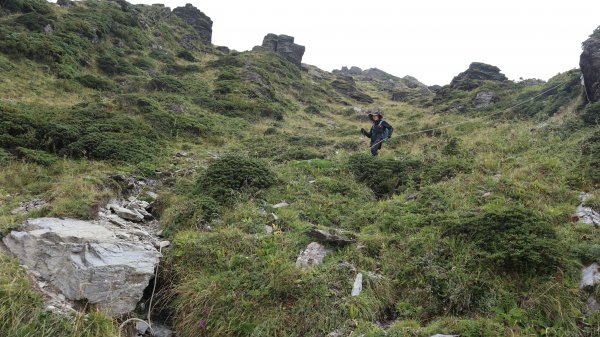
(48, 29)
(312, 256)
(335, 334)
(589, 62)
(198, 20)
(346, 265)
(584, 214)
(223, 49)
(127, 214)
(283, 45)
(180, 154)
(375, 276)
(268, 229)
(164, 244)
(29, 206)
(357, 287)
(85, 260)
(589, 276)
(325, 236)
(281, 205)
(484, 99)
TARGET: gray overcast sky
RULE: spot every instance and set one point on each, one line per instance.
(432, 40)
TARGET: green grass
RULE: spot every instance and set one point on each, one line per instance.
(463, 230)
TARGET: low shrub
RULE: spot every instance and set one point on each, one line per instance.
(166, 83)
(95, 82)
(231, 174)
(511, 238)
(186, 55)
(591, 114)
(38, 157)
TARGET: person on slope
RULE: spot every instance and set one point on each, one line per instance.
(380, 132)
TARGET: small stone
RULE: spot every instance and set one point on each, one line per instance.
(357, 287)
(164, 244)
(268, 229)
(312, 256)
(275, 217)
(281, 205)
(127, 214)
(589, 276)
(487, 194)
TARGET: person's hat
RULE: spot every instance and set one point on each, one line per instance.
(375, 112)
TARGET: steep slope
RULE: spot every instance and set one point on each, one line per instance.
(463, 225)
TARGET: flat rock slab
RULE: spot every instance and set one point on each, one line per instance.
(325, 236)
(85, 260)
(589, 276)
(312, 256)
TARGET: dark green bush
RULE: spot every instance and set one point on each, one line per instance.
(5, 157)
(166, 83)
(591, 114)
(511, 238)
(186, 55)
(444, 169)
(311, 109)
(35, 21)
(228, 175)
(590, 158)
(384, 176)
(26, 6)
(95, 82)
(301, 154)
(35, 156)
(113, 65)
(145, 63)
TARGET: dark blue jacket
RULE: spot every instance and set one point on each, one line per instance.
(380, 131)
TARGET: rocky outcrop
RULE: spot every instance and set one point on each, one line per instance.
(97, 262)
(195, 18)
(345, 85)
(283, 45)
(475, 75)
(484, 99)
(589, 62)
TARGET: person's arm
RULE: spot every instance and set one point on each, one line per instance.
(365, 133)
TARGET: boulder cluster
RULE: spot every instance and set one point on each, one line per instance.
(283, 45)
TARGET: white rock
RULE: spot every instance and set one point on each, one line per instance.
(281, 205)
(268, 229)
(127, 214)
(85, 260)
(589, 276)
(312, 256)
(164, 244)
(357, 287)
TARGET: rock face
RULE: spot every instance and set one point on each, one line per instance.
(195, 18)
(345, 85)
(484, 99)
(283, 45)
(86, 261)
(475, 75)
(589, 62)
(312, 256)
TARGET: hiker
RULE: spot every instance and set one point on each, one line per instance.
(380, 132)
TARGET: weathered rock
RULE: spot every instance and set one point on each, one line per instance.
(85, 261)
(357, 287)
(29, 206)
(127, 214)
(283, 45)
(585, 214)
(312, 256)
(195, 18)
(589, 62)
(48, 29)
(281, 205)
(64, 3)
(223, 49)
(589, 276)
(400, 96)
(484, 99)
(475, 75)
(325, 236)
(345, 85)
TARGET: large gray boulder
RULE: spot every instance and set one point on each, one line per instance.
(195, 18)
(589, 61)
(283, 45)
(86, 260)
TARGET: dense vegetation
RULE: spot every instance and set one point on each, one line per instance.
(461, 230)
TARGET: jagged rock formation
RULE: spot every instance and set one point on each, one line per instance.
(589, 62)
(484, 99)
(195, 18)
(283, 45)
(475, 75)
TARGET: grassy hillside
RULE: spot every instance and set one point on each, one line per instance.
(463, 230)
